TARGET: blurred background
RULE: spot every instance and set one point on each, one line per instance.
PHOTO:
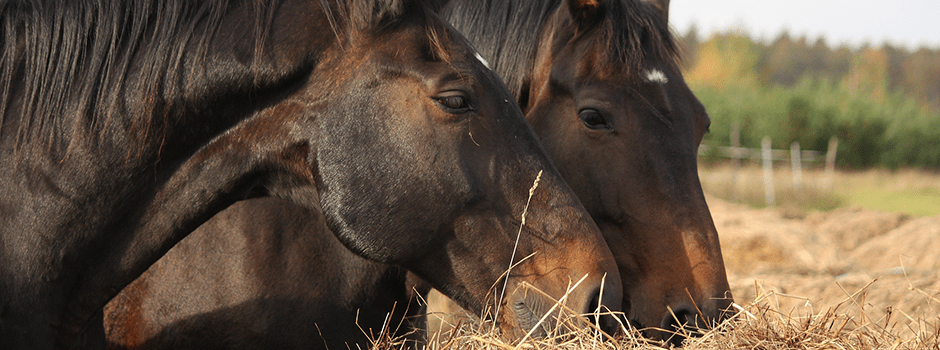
(846, 95)
(862, 72)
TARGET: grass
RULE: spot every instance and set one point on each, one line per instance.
(746, 185)
(916, 193)
(913, 192)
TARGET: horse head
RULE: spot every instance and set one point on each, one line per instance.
(610, 105)
(422, 159)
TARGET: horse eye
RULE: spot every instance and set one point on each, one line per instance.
(593, 119)
(454, 104)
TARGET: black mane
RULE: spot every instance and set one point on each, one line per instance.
(128, 69)
(505, 31)
(508, 32)
(73, 67)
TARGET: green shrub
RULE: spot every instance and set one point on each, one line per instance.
(891, 132)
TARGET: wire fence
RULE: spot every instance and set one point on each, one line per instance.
(767, 156)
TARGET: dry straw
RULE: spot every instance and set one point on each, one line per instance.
(852, 320)
(760, 324)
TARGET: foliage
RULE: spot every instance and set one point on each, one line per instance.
(877, 101)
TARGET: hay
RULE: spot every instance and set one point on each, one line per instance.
(818, 281)
(914, 246)
(761, 324)
(851, 252)
(850, 227)
(757, 241)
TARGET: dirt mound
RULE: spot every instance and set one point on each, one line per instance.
(844, 258)
(765, 240)
(850, 227)
(915, 246)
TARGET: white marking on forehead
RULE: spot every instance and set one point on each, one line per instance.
(656, 76)
(485, 63)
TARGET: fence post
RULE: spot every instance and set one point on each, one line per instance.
(831, 161)
(735, 161)
(768, 156)
(796, 167)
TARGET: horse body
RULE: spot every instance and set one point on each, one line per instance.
(272, 263)
(126, 125)
(71, 185)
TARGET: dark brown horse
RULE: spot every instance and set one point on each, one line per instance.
(600, 83)
(127, 124)
(604, 91)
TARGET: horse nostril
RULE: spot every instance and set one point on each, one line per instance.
(725, 310)
(592, 304)
(527, 318)
(600, 311)
(679, 324)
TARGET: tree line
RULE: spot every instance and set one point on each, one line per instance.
(883, 103)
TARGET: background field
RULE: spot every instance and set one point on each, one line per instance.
(911, 192)
(882, 103)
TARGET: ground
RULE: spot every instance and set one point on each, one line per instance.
(882, 259)
(849, 277)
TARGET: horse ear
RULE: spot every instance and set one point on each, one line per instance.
(584, 11)
(662, 6)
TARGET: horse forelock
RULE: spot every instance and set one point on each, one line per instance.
(630, 38)
(75, 69)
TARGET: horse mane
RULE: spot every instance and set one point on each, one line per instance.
(635, 33)
(508, 31)
(345, 16)
(81, 66)
(82, 69)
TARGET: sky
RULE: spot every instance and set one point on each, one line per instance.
(907, 23)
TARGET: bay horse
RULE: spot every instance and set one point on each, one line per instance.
(601, 84)
(599, 81)
(127, 124)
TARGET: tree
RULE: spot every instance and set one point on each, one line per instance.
(869, 74)
(921, 77)
(725, 59)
